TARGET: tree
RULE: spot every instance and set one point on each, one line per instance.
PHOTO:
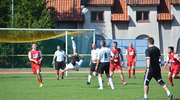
(33, 14)
(27, 14)
(5, 11)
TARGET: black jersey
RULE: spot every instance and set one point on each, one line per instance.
(154, 54)
(74, 59)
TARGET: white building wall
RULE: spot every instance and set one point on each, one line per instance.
(176, 26)
(168, 32)
(105, 28)
(171, 30)
(134, 29)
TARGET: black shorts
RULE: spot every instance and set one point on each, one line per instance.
(156, 75)
(60, 65)
(93, 67)
(103, 67)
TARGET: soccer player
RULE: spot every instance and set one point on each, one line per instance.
(59, 62)
(173, 62)
(116, 64)
(35, 58)
(93, 61)
(153, 69)
(76, 62)
(103, 63)
(131, 59)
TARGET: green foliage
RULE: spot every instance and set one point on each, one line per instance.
(27, 14)
(33, 14)
(5, 11)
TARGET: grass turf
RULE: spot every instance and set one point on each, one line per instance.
(73, 87)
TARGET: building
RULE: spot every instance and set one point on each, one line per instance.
(124, 19)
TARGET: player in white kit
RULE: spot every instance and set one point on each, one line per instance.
(103, 64)
(93, 61)
(59, 62)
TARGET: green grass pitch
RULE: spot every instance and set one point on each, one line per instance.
(73, 87)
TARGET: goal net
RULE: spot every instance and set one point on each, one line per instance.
(16, 42)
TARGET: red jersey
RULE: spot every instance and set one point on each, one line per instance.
(172, 59)
(115, 53)
(35, 55)
(131, 53)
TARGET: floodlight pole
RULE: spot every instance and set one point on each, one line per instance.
(12, 26)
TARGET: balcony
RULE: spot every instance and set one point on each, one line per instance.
(165, 17)
(120, 11)
(143, 2)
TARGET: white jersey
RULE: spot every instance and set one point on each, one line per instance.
(104, 54)
(60, 55)
(94, 55)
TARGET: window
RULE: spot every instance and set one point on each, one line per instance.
(97, 16)
(142, 16)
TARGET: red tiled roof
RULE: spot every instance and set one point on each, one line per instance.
(164, 11)
(100, 2)
(120, 11)
(66, 10)
(175, 2)
(143, 2)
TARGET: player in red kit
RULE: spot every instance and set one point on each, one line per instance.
(35, 58)
(131, 59)
(116, 64)
(173, 62)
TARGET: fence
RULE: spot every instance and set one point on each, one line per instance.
(20, 59)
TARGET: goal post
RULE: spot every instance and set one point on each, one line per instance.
(15, 43)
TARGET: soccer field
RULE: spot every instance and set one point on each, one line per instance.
(73, 87)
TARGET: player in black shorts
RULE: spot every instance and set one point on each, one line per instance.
(93, 61)
(59, 62)
(103, 64)
(153, 69)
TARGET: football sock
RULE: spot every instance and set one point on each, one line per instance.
(111, 83)
(129, 72)
(134, 72)
(145, 96)
(168, 93)
(100, 82)
(89, 78)
(170, 80)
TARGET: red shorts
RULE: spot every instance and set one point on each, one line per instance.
(115, 67)
(131, 63)
(35, 68)
(175, 69)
